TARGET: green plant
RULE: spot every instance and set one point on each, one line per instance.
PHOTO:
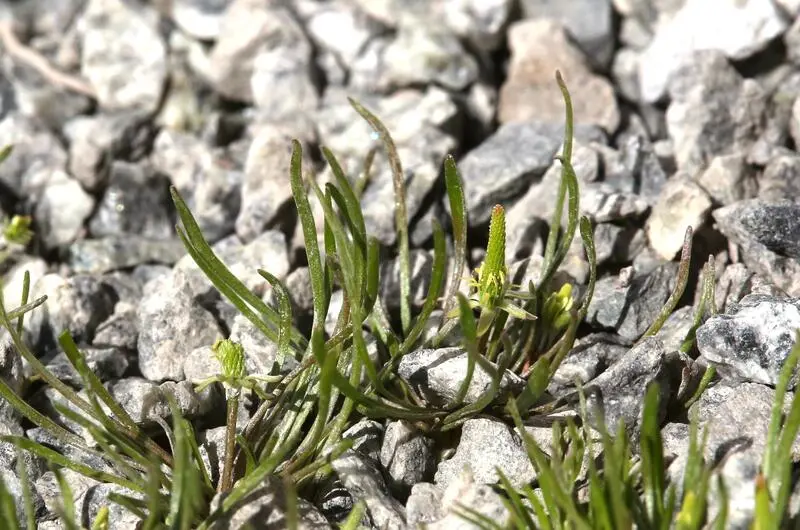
(296, 431)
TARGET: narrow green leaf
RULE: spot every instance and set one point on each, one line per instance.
(458, 217)
(284, 350)
(652, 454)
(538, 380)
(66, 504)
(400, 210)
(8, 511)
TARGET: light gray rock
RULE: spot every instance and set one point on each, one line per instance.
(78, 304)
(208, 179)
(37, 154)
(741, 30)
(266, 507)
(440, 509)
(62, 209)
(407, 455)
(481, 22)
(590, 356)
(539, 47)
(728, 179)
(123, 57)
(780, 179)
(136, 200)
(362, 478)
(171, 324)
(714, 111)
(106, 363)
(682, 204)
(263, 57)
(437, 375)
(589, 22)
(95, 140)
(266, 189)
(200, 19)
(751, 341)
(766, 235)
(367, 436)
(485, 445)
(97, 256)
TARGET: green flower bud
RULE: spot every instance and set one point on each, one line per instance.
(230, 355)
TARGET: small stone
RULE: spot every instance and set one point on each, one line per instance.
(123, 55)
(631, 307)
(682, 204)
(111, 253)
(266, 189)
(437, 375)
(617, 244)
(36, 156)
(407, 455)
(733, 285)
(485, 445)
(509, 162)
(171, 324)
(78, 304)
(96, 140)
(367, 436)
(728, 179)
(751, 342)
(745, 27)
(106, 363)
(266, 507)
(117, 331)
(766, 233)
(714, 111)
(143, 400)
(135, 201)
(780, 179)
(62, 209)
(200, 19)
(481, 22)
(262, 56)
(208, 180)
(588, 358)
(440, 509)
(363, 480)
(539, 47)
(589, 22)
(621, 389)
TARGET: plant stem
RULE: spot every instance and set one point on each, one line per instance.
(226, 481)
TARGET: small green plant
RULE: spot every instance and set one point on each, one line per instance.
(296, 431)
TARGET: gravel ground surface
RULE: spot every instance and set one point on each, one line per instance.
(687, 114)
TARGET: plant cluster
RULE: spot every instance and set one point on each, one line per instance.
(296, 429)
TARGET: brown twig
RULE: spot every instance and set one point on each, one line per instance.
(26, 55)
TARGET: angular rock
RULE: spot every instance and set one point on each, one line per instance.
(744, 28)
(751, 341)
(97, 256)
(209, 180)
(631, 306)
(37, 153)
(407, 455)
(509, 162)
(171, 324)
(367, 436)
(589, 22)
(618, 393)
(714, 111)
(780, 179)
(106, 363)
(136, 201)
(682, 204)
(266, 189)
(538, 48)
(266, 507)
(119, 44)
(481, 22)
(95, 140)
(767, 235)
(590, 356)
(485, 445)
(263, 57)
(440, 509)
(363, 480)
(200, 19)
(437, 375)
(62, 209)
(728, 179)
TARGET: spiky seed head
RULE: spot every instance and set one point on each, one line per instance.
(492, 275)
(230, 355)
